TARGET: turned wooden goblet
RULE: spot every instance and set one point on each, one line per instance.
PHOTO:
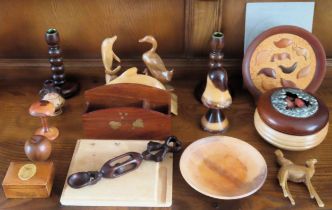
(216, 97)
(44, 109)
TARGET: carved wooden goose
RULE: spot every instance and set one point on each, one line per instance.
(154, 63)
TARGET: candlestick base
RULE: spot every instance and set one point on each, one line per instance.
(69, 89)
(214, 121)
(52, 133)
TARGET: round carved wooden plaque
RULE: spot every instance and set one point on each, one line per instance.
(284, 56)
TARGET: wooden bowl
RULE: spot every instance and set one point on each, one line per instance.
(223, 167)
(284, 56)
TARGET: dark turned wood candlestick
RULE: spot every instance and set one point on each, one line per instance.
(216, 57)
(68, 88)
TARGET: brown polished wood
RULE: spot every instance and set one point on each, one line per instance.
(182, 27)
(16, 99)
(28, 180)
(84, 24)
(291, 125)
(318, 71)
(128, 95)
(127, 111)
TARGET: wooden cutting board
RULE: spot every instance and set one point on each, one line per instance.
(148, 186)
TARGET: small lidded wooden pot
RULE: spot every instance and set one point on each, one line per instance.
(291, 119)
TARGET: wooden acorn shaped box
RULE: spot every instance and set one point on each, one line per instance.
(291, 119)
(127, 111)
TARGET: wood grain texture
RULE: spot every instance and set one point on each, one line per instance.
(145, 186)
(202, 19)
(38, 185)
(126, 123)
(19, 88)
(128, 95)
(127, 111)
(181, 27)
(291, 125)
(84, 24)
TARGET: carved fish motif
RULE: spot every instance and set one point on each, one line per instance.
(287, 83)
(269, 72)
(262, 56)
(280, 56)
(300, 51)
(288, 70)
(303, 72)
(282, 43)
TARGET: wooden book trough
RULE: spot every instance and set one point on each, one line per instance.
(127, 111)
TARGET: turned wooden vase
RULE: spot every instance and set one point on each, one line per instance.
(291, 119)
(38, 148)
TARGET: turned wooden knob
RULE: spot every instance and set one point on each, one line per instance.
(38, 148)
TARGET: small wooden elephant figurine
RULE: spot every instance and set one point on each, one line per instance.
(297, 174)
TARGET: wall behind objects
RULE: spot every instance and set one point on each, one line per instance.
(181, 27)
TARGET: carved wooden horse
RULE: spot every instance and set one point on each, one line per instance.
(298, 174)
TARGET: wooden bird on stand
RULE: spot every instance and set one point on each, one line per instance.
(107, 56)
(297, 174)
(154, 63)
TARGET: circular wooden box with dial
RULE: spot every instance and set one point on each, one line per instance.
(291, 119)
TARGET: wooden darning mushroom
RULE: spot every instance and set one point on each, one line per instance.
(44, 109)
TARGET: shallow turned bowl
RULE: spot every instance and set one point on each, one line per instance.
(223, 167)
(291, 119)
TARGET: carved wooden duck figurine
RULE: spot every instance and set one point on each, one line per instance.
(107, 56)
(154, 63)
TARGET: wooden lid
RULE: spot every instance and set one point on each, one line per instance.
(41, 175)
(42, 109)
(284, 56)
(294, 121)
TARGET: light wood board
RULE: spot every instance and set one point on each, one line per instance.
(148, 186)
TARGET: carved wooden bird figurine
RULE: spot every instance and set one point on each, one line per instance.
(107, 56)
(154, 63)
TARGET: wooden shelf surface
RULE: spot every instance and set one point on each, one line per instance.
(19, 87)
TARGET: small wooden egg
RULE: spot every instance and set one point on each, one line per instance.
(291, 119)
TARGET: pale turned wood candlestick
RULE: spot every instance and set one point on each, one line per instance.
(44, 109)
